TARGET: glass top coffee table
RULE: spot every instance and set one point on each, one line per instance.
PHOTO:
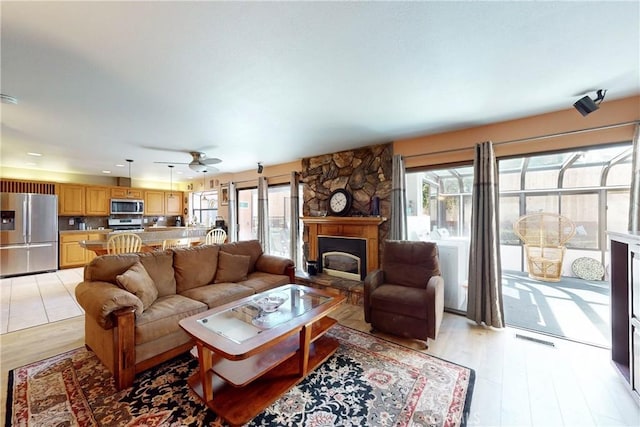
(253, 350)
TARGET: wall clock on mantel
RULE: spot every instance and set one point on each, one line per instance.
(340, 202)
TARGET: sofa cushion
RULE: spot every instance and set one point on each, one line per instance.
(162, 317)
(195, 266)
(219, 293)
(260, 281)
(232, 268)
(105, 268)
(137, 281)
(245, 247)
(403, 300)
(159, 265)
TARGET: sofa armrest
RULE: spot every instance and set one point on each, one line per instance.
(101, 299)
(275, 265)
(374, 279)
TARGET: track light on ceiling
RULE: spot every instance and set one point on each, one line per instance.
(260, 167)
(586, 105)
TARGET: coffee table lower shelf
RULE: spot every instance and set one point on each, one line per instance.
(239, 405)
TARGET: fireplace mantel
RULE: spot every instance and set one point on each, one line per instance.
(365, 227)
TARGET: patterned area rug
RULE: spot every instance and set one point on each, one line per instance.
(369, 381)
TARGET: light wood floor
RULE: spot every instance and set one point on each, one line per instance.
(518, 382)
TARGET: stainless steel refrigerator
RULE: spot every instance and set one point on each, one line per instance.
(28, 233)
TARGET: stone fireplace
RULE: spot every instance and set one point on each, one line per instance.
(365, 173)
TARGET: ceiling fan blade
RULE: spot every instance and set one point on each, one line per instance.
(171, 150)
(211, 161)
(172, 163)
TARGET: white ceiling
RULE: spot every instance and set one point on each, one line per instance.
(272, 82)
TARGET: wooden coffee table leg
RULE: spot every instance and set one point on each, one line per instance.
(305, 340)
(204, 360)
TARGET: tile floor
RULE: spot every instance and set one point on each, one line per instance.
(37, 299)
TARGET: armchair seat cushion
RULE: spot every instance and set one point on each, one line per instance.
(162, 317)
(401, 300)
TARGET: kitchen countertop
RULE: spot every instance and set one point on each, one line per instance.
(95, 230)
(152, 237)
(192, 230)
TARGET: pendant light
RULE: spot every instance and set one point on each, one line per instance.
(129, 194)
(171, 182)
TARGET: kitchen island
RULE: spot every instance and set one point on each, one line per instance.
(152, 238)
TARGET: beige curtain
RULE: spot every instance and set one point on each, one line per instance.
(294, 220)
(398, 226)
(263, 214)
(634, 195)
(233, 213)
(485, 272)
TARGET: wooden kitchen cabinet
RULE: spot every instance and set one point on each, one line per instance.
(71, 253)
(153, 202)
(173, 202)
(126, 193)
(71, 199)
(74, 255)
(97, 201)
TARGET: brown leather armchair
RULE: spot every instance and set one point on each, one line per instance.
(406, 296)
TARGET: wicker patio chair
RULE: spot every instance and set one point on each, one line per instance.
(544, 236)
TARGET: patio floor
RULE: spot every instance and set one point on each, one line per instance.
(573, 308)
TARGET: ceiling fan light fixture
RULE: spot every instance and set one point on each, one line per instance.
(198, 167)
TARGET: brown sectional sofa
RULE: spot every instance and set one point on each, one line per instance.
(133, 302)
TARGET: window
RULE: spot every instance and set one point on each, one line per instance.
(590, 187)
(204, 208)
(248, 214)
(279, 200)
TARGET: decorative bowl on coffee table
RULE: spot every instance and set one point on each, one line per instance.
(270, 302)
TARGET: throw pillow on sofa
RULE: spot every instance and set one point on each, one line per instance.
(232, 268)
(137, 281)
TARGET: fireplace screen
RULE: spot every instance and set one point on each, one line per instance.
(341, 264)
(342, 256)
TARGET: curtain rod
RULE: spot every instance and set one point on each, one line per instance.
(255, 179)
(534, 138)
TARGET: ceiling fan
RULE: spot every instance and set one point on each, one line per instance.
(199, 162)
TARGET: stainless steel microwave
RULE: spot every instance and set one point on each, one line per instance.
(127, 207)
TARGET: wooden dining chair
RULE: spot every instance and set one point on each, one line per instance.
(175, 243)
(217, 235)
(123, 243)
